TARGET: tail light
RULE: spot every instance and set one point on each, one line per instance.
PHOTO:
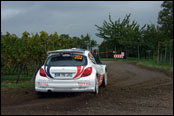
(87, 72)
(42, 72)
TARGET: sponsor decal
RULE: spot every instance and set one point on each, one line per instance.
(80, 69)
(42, 84)
(84, 83)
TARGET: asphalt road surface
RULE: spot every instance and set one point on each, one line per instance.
(131, 90)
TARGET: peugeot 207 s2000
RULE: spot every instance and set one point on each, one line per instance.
(70, 70)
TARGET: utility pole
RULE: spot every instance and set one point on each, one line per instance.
(106, 52)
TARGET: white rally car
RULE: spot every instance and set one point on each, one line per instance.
(71, 70)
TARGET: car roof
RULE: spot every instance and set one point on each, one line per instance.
(73, 50)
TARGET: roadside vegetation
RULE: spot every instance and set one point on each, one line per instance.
(9, 81)
(28, 53)
(12, 84)
(144, 62)
(149, 45)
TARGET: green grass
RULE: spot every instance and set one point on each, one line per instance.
(155, 64)
(145, 62)
(9, 81)
(12, 84)
(14, 77)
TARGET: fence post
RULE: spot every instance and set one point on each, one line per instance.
(106, 52)
(158, 56)
(126, 52)
(138, 52)
(165, 57)
(171, 55)
(19, 75)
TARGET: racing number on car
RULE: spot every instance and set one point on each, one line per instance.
(78, 57)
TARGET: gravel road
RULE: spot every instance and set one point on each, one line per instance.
(131, 90)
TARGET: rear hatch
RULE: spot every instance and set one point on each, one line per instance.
(65, 66)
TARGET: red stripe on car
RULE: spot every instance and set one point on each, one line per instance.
(78, 71)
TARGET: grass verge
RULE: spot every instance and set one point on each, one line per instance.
(12, 84)
(14, 77)
(9, 81)
(155, 64)
(145, 62)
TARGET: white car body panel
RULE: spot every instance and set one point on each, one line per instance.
(69, 84)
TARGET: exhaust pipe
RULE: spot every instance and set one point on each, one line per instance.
(49, 91)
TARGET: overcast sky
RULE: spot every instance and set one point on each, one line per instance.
(72, 17)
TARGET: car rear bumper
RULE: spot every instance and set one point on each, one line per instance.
(64, 89)
(78, 85)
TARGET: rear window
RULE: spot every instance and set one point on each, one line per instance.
(66, 60)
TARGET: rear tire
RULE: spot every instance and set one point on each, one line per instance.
(104, 84)
(40, 94)
(96, 86)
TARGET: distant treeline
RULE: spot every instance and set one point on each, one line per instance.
(30, 49)
(148, 41)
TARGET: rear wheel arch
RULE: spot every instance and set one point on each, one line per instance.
(104, 82)
(96, 84)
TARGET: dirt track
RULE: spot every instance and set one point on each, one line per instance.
(131, 90)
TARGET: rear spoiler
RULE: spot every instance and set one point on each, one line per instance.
(58, 52)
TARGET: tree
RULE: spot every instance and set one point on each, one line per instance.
(30, 51)
(120, 34)
(165, 21)
(165, 18)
